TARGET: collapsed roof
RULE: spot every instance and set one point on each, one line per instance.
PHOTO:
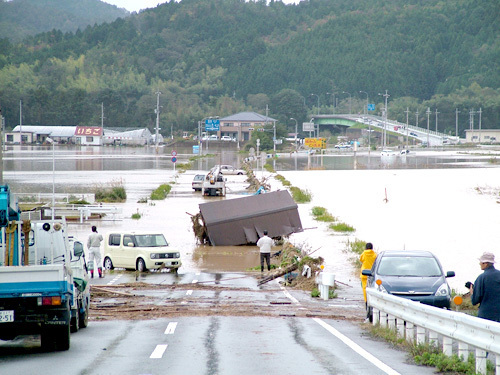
(242, 221)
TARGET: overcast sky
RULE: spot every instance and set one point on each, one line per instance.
(137, 5)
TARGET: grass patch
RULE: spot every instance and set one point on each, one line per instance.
(161, 192)
(341, 227)
(283, 180)
(430, 355)
(136, 216)
(321, 214)
(115, 192)
(299, 195)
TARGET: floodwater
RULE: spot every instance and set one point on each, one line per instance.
(442, 201)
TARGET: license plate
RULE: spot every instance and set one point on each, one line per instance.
(6, 316)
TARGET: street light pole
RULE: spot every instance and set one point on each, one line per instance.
(366, 108)
(296, 145)
(345, 92)
(51, 141)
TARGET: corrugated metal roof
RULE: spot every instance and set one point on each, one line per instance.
(248, 116)
(54, 131)
(241, 221)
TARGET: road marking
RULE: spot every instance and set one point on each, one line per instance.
(171, 328)
(158, 352)
(111, 282)
(289, 296)
(358, 349)
(189, 292)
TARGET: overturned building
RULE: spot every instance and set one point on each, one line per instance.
(242, 221)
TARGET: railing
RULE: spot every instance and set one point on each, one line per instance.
(418, 322)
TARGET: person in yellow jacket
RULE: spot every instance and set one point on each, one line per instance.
(367, 258)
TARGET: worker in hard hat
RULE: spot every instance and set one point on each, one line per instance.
(367, 258)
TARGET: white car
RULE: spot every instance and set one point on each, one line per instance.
(139, 251)
(388, 152)
(226, 138)
(229, 169)
(213, 137)
(197, 183)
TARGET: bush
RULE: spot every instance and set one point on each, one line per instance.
(161, 192)
(300, 196)
(321, 214)
(341, 227)
(113, 193)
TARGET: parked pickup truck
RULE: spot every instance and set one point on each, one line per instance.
(43, 279)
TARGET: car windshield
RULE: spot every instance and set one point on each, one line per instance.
(409, 266)
(151, 240)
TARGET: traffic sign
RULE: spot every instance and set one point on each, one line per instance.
(212, 125)
(174, 153)
(371, 107)
(174, 159)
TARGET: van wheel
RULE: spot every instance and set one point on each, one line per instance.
(141, 265)
(108, 264)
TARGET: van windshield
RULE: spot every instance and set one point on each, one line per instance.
(150, 240)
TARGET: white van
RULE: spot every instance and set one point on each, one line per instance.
(139, 251)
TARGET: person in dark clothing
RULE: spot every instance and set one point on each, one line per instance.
(486, 289)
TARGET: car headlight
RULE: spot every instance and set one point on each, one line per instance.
(443, 290)
(154, 256)
(381, 289)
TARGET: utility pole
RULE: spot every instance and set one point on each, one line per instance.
(437, 120)
(366, 108)
(158, 93)
(456, 121)
(21, 122)
(428, 114)
(407, 113)
(386, 95)
(471, 124)
(480, 111)
(102, 115)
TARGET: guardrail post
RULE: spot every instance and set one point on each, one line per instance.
(433, 338)
(376, 316)
(463, 350)
(447, 346)
(400, 326)
(410, 332)
(481, 361)
(391, 322)
(497, 366)
(420, 335)
(383, 319)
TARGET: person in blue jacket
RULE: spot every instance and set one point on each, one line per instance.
(486, 289)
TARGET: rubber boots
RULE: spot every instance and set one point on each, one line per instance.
(100, 272)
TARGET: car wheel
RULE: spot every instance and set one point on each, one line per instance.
(141, 265)
(108, 264)
(240, 173)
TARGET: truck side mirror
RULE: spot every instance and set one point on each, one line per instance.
(78, 249)
(366, 272)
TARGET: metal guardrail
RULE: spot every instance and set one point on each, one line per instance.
(418, 322)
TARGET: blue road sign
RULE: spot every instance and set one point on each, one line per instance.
(212, 125)
(371, 107)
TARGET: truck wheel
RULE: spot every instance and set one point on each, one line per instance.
(108, 264)
(62, 339)
(55, 337)
(84, 317)
(141, 265)
(75, 321)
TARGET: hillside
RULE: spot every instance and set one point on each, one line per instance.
(217, 57)
(20, 18)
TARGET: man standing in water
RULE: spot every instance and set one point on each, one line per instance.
(265, 243)
(94, 247)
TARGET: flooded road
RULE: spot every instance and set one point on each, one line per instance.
(441, 201)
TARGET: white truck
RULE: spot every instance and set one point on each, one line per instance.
(43, 279)
(214, 183)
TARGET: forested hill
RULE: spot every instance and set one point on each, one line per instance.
(20, 18)
(217, 57)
